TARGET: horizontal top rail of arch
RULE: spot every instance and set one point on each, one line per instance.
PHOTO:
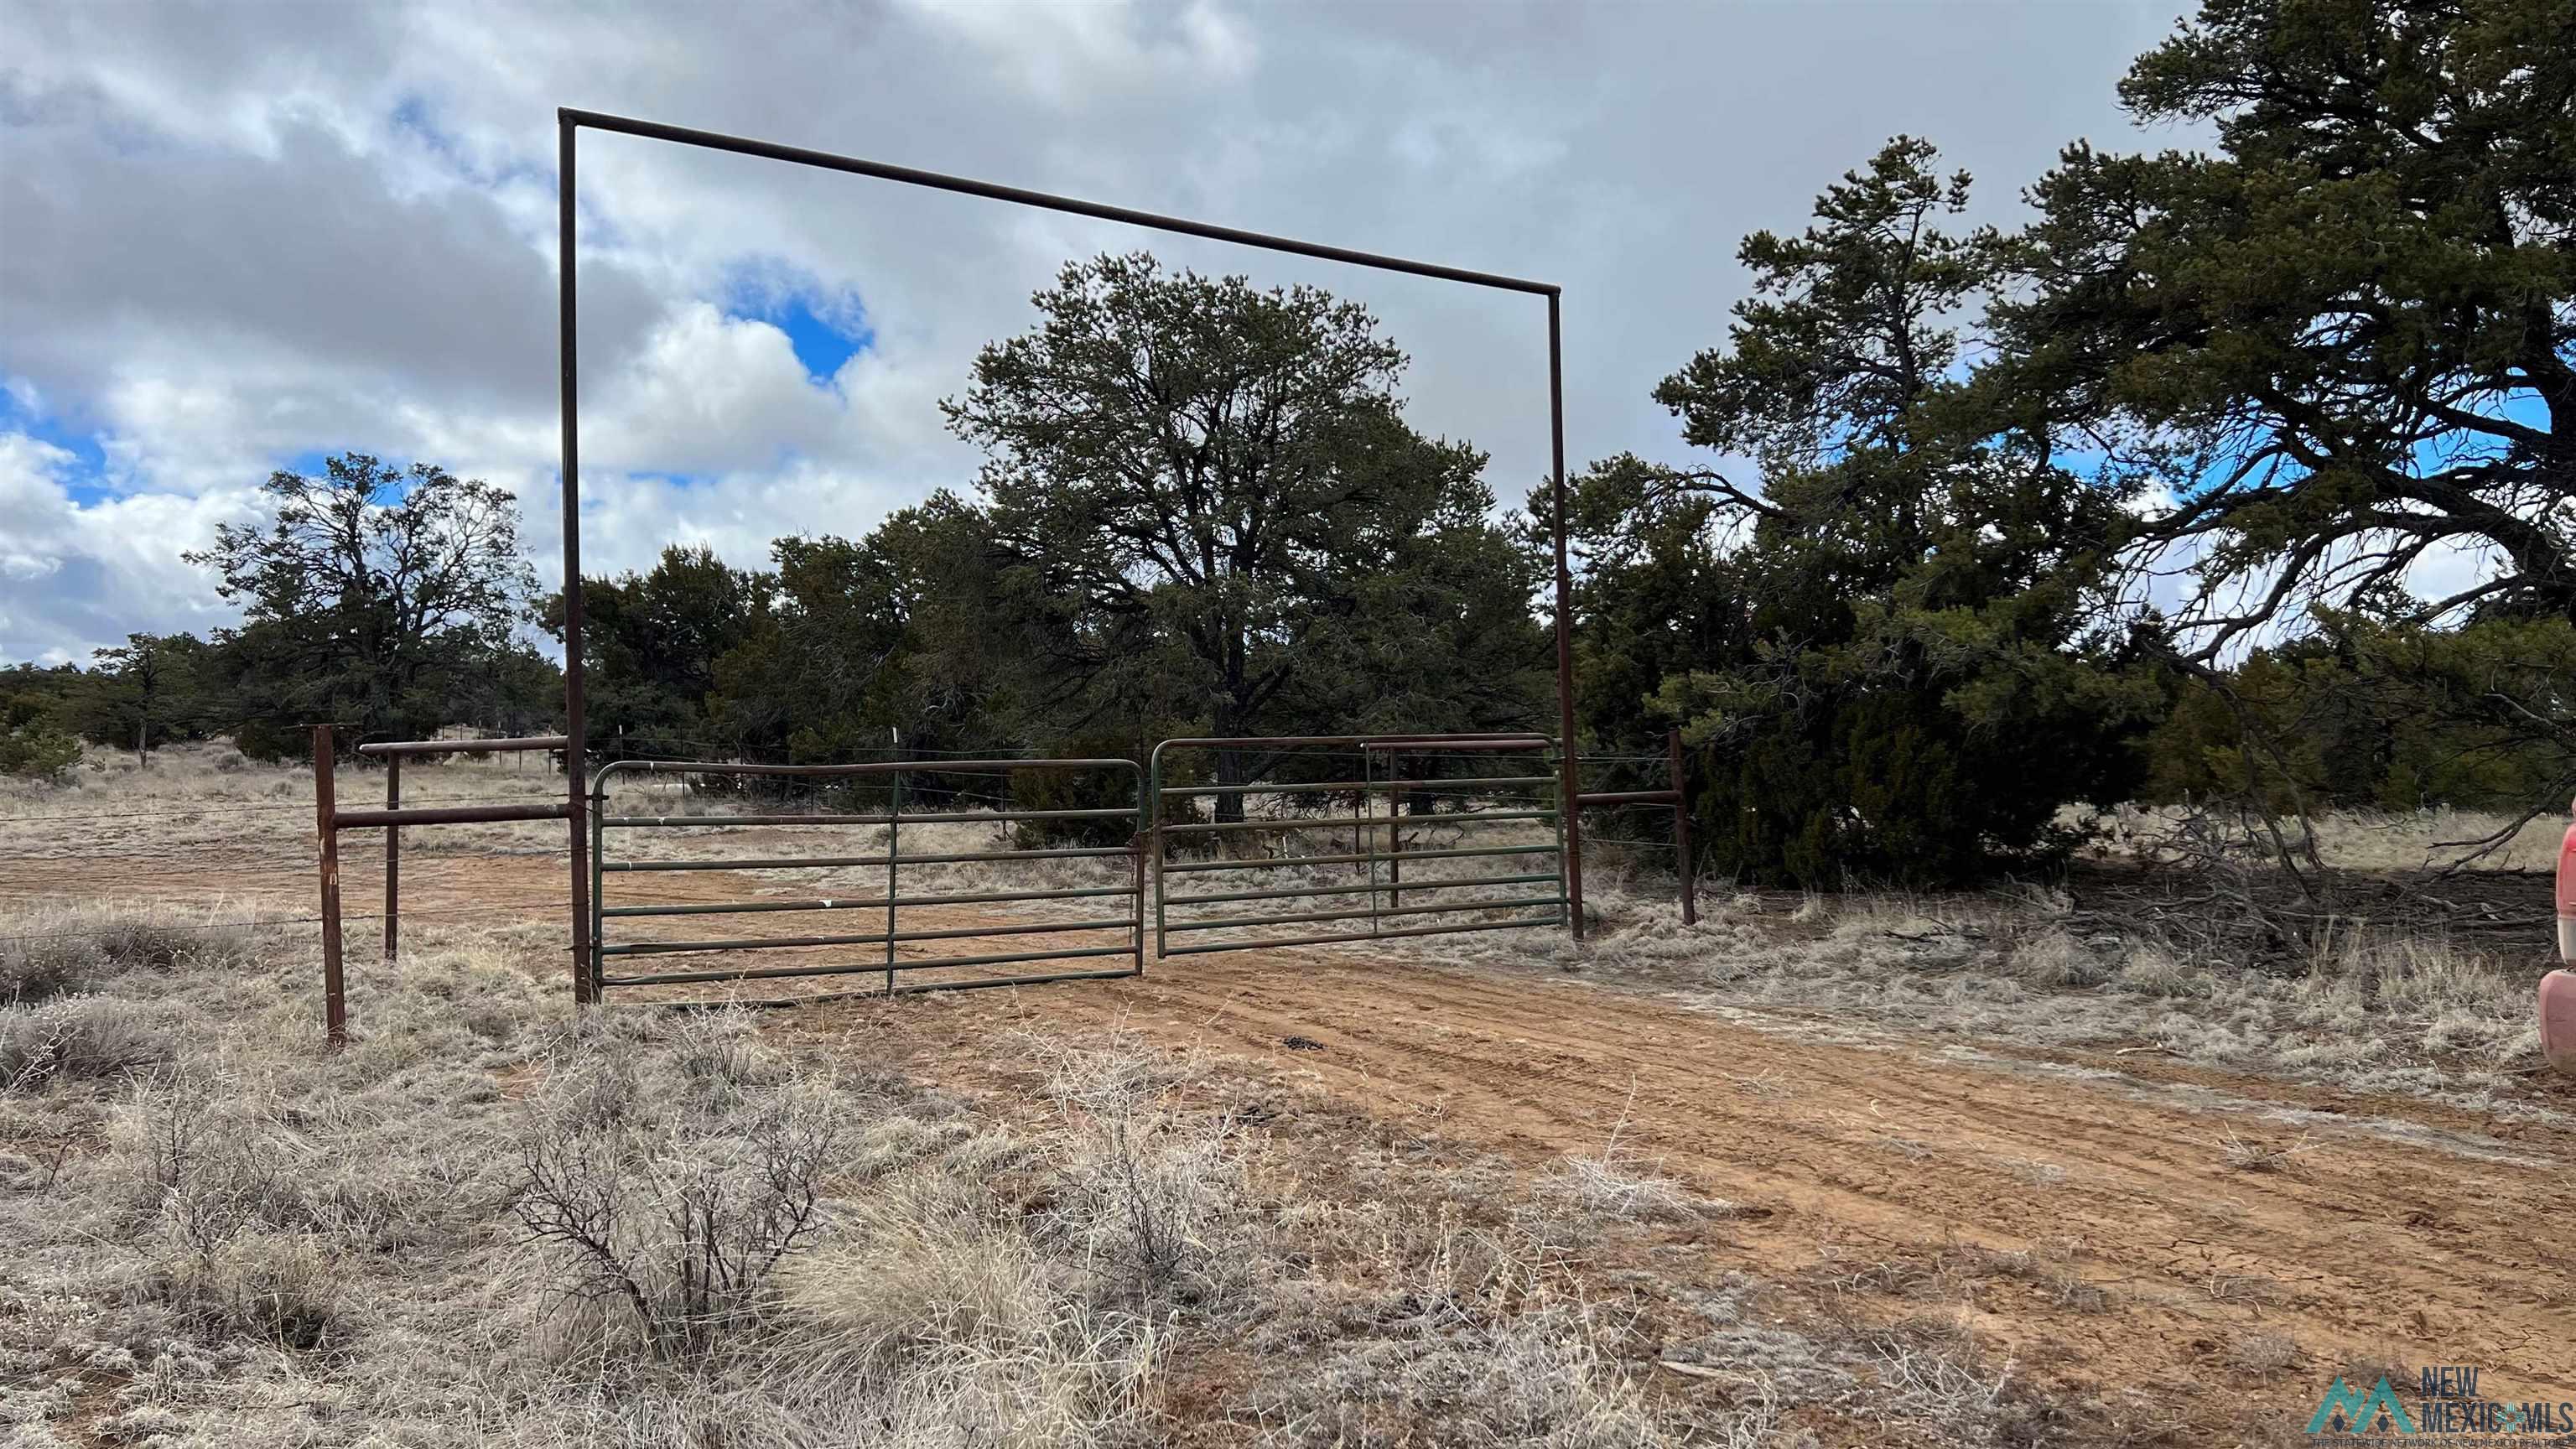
(1022, 196)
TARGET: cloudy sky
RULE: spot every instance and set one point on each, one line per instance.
(241, 238)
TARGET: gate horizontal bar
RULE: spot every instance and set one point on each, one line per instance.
(1327, 822)
(856, 903)
(808, 862)
(765, 973)
(1222, 923)
(1632, 797)
(872, 767)
(1350, 785)
(445, 815)
(466, 747)
(1276, 861)
(1557, 920)
(951, 933)
(1360, 888)
(996, 817)
(1202, 742)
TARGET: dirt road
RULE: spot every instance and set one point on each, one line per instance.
(2196, 1214)
(2391, 1233)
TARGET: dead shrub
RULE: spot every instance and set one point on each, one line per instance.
(278, 1288)
(237, 1245)
(674, 1181)
(78, 1038)
(77, 949)
(1152, 1197)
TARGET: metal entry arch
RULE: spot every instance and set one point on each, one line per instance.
(571, 121)
(1129, 922)
(1544, 891)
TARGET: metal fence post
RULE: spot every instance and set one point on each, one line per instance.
(335, 1005)
(1395, 835)
(1136, 844)
(894, 852)
(393, 856)
(1681, 826)
(593, 960)
(1154, 840)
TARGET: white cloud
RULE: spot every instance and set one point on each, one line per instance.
(232, 236)
(73, 578)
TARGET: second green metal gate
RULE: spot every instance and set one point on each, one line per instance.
(1476, 816)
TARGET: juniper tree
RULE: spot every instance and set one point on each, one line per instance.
(1214, 516)
(1890, 669)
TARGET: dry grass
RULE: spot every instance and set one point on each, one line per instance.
(481, 1224)
(2373, 840)
(2247, 1154)
(2368, 1008)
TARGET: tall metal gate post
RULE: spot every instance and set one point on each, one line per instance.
(393, 856)
(894, 854)
(335, 1004)
(591, 964)
(1153, 806)
(1681, 827)
(576, 734)
(1571, 790)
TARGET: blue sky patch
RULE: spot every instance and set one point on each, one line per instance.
(827, 326)
(86, 480)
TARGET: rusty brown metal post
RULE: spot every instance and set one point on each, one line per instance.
(1681, 826)
(393, 856)
(1570, 791)
(335, 1005)
(894, 859)
(576, 739)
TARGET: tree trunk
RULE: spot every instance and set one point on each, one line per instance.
(1229, 771)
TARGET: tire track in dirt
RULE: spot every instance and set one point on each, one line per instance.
(1882, 1151)
(2355, 1247)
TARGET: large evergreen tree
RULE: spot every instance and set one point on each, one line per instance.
(2343, 341)
(1215, 517)
(652, 643)
(1877, 630)
(377, 595)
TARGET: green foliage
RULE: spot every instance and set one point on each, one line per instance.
(1880, 645)
(32, 747)
(377, 596)
(2394, 716)
(1210, 513)
(2342, 341)
(152, 688)
(652, 645)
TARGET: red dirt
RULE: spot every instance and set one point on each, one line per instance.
(2404, 1232)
